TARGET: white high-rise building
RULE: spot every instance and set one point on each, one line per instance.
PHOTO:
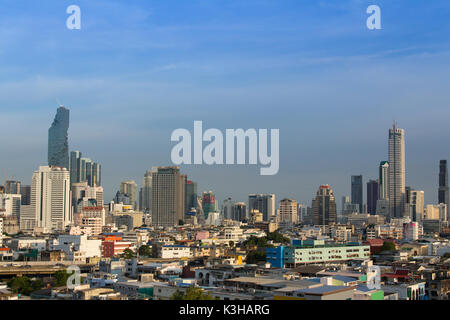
(383, 193)
(50, 199)
(397, 192)
(10, 204)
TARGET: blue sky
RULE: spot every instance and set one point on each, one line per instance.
(139, 69)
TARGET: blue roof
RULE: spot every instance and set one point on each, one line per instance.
(344, 279)
(363, 288)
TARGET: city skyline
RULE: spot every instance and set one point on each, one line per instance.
(289, 58)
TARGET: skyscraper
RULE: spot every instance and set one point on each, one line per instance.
(345, 200)
(227, 209)
(58, 139)
(208, 203)
(239, 211)
(357, 191)
(191, 195)
(84, 195)
(288, 211)
(25, 191)
(129, 188)
(84, 169)
(397, 192)
(145, 196)
(167, 196)
(50, 199)
(372, 196)
(264, 203)
(324, 206)
(443, 194)
(417, 205)
(384, 180)
(12, 187)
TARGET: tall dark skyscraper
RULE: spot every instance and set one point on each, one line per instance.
(25, 191)
(58, 139)
(372, 196)
(357, 191)
(191, 195)
(443, 183)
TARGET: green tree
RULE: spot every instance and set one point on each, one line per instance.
(253, 257)
(128, 254)
(191, 294)
(145, 251)
(387, 246)
(24, 285)
(277, 238)
(61, 278)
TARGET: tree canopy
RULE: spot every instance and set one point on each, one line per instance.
(387, 246)
(192, 293)
(128, 254)
(145, 251)
(253, 257)
(24, 285)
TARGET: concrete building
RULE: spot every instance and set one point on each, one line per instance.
(264, 203)
(372, 196)
(324, 206)
(50, 200)
(84, 195)
(10, 204)
(288, 211)
(145, 194)
(168, 196)
(397, 191)
(357, 191)
(77, 247)
(436, 212)
(129, 188)
(315, 251)
(84, 170)
(443, 192)
(417, 205)
(227, 209)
